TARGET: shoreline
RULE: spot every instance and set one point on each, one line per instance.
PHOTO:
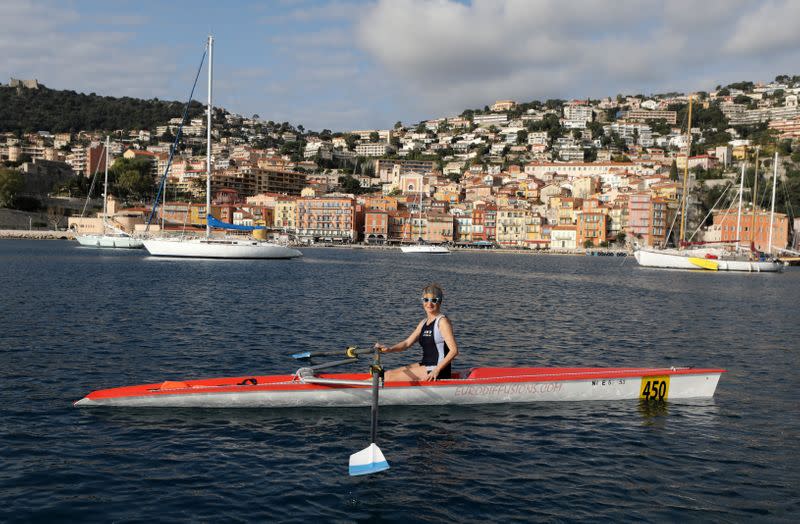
(24, 234)
(35, 234)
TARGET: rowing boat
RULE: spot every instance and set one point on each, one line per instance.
(488, 385)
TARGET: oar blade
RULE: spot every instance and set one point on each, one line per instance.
(304, 354)
(368, 460)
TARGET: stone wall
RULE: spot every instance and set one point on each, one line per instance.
(36, 235)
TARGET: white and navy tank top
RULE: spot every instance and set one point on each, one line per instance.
(434, 348)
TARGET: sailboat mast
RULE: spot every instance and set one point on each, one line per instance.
(739, 213)
(685, 199)
(755, 199)
(105, 188)
(772, 209)
(208, 137)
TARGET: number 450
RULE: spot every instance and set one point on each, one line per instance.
(655, 389)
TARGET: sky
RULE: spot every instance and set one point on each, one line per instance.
(347, 64)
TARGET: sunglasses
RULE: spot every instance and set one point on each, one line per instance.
(434, 300)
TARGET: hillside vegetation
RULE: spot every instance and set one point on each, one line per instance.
(31, 110)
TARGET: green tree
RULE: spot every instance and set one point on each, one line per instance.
(596, 128)
(131, 178)
(673, 171)
(588, 243)
(522, 137)
(621, 238)
(374, 137)
(11, 183)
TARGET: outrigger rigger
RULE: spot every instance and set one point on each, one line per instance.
(309, 387)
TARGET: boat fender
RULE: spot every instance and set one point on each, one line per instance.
(248, 382)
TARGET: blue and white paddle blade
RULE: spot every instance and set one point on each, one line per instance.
(304, 354)
(368, 460)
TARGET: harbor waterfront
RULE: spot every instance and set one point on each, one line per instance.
(78, 319)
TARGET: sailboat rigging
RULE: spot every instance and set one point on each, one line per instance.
(707, 257)
(214, 247)
(422, 246)
(111, 236)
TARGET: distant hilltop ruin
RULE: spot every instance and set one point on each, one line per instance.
(27, 84)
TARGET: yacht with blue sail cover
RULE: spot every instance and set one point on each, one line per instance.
(217, 247)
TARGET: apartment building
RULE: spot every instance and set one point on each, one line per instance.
(285, 214)
(503, 105)
(484, 223)
(645, 115)
(537, 235)
(753, 228)
(329, 218)
(592, 226)
(566, 209)
(577, 169)
(494, 119)
(578, 112)
(376, 149)
(647, 219)
(376, 226)
(512, 226)
(384, 135)
(564, 237)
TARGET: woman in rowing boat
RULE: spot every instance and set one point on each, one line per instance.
(435, 335)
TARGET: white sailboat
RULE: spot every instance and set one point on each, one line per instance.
(208, 246)
(422, 247)
(112, 236)
(707, 257)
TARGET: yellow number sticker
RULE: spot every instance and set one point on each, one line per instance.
(654, 388)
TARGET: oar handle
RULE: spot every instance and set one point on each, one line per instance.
(354, 351)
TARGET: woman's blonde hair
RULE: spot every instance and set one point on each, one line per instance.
(435, 290)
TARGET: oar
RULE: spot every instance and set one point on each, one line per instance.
(370, 459)
(351, 352)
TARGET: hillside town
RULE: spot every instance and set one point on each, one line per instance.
(559, 175)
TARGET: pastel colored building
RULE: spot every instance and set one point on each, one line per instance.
(376, 226)
(329, 219)
(647, 219)
(512, 226)
(592, 226)
(752, 229)
(285, 214)
(563, 237)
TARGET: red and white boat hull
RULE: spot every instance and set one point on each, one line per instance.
(480, 386)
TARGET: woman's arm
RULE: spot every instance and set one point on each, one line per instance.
(407, 343)
(446, 329)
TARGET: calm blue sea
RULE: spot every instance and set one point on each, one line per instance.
(77, 319)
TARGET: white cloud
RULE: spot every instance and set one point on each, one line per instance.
(450, 55)
(772, 28)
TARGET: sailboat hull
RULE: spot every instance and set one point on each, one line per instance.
(425, 249)
(696, 260)
(219, 248)
(109, 241)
